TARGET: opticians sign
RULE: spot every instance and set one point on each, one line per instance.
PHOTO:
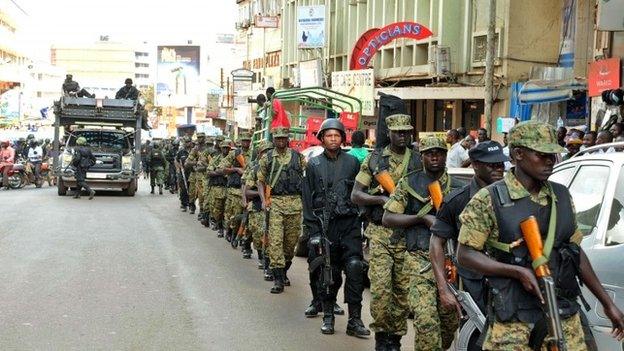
(373, 39)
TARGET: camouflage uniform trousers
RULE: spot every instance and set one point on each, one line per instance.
(206, 197)
(434, 327)
(192, 192)
(389, 282)
(200, 185)
(514, 336)
(233, 208)
(284, 229)
(255, 222)
(157, 176)
(217, 202)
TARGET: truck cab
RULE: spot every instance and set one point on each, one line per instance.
(111, 127)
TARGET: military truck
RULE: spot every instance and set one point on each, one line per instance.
(112, 128)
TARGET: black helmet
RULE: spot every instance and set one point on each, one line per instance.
(332, 123)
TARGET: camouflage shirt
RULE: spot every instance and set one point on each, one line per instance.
(228, 161)
(479, 220)
(399, 199)
(280, 158)
(397, 170)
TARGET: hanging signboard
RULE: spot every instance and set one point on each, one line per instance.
(603, 75)
(359, 84)
(310, 27)
(266, 21)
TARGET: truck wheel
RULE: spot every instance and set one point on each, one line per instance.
(131, 189)
(61, 188)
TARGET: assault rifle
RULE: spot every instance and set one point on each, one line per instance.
(265, 228)
(555, 341)
(323, 247)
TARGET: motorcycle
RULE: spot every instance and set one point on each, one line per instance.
(17, 176)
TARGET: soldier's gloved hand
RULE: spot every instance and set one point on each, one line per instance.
(315, 243)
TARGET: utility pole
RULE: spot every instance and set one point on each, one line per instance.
(489, 67)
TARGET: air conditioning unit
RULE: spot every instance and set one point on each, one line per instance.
(439, 59)
(479, 48)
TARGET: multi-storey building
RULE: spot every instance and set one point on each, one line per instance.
(440, 77)
(144, 66)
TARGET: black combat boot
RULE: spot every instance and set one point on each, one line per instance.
(312, 310)
(219, 231)
(382, 341)
(338, 310)
(246, 254)
(151, 192)
(278, 282)
(192, 209)
(160, 190)
(260, 260)
(286, 280)
(268, 275)
(327, 327)
(77, 194)
(228, 235)
(355, 326)
(183, 208)
(394, 342)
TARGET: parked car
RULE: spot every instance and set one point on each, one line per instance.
(596, 183)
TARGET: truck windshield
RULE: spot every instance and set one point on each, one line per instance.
(102, 139)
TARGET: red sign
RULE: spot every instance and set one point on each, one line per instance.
(371, 41)
(604, 75)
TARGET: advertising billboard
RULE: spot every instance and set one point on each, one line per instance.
(177, 75)
(359, 84)
(311, 27)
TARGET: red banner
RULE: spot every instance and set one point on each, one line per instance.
(603, 75)
(371, 41)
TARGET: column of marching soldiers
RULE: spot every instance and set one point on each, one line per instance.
(261, 197)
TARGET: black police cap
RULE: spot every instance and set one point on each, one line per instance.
(488, 152)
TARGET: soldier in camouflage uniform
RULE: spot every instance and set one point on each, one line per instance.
(388, 280)
(199, 170)
(410, 213)
(233, 168)
(491, 221)
(158, 166)
(218, 190)
(255, 221)
(282, 169)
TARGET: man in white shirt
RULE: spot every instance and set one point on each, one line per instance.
(457, 156)
(35, 156)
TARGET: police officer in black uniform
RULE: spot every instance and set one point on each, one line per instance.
(327, 187)
(488, 161)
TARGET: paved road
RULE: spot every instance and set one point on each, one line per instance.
(120, 273)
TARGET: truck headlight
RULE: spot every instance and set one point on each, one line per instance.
(126, 163)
